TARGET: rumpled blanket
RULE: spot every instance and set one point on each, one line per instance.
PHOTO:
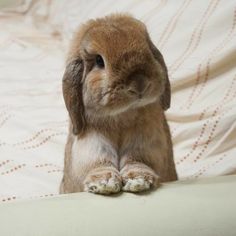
(198, 41)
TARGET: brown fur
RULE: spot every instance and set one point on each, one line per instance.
(98, 101)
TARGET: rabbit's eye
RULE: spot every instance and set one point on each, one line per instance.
(99, 61)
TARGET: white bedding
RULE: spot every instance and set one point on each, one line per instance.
(197, 39)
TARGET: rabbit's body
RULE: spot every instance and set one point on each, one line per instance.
(118, 137)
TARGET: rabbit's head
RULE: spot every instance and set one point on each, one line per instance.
(113, 67)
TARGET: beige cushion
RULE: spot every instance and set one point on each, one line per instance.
(204, 207)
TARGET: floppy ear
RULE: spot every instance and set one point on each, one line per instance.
(165, 97)
(72, 92)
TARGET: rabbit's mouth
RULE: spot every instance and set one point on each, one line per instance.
(142, 102)
(113, 101)
(116, 104)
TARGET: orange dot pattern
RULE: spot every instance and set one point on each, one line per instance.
(16, 168)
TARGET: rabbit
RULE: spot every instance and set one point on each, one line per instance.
(116, 89)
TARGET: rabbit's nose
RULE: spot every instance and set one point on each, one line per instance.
(138, 81)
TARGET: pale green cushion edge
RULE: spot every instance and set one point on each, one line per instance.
(203, 207)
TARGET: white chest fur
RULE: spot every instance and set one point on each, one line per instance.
(92, 148)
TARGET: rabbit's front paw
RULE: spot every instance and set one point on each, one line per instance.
(138, 179)
(104, 180)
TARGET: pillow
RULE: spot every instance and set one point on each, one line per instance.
(198, 207)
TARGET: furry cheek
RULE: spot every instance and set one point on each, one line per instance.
(94, 86)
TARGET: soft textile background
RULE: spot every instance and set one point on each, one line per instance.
(197, 39)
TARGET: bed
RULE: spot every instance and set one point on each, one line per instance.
(197, 39)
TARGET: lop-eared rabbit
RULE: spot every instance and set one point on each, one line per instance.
(116, 89)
